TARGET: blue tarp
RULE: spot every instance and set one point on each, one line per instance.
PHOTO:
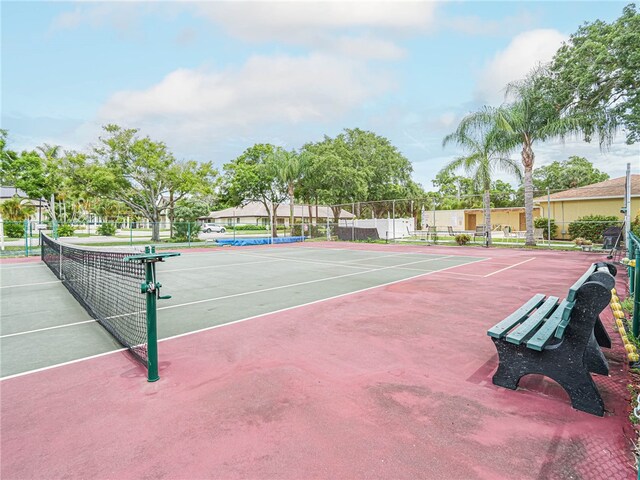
(241, 242)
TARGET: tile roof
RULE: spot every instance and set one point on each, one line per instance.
(613, 188)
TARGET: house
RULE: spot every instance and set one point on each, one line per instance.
(603, 198)
(468, 219)
(512, 217)
(254, 213)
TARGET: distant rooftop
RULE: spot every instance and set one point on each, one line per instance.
(613, 188)
(256, 209)
(9, 192)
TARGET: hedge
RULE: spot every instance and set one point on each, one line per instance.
(541, 222)
(591, 227)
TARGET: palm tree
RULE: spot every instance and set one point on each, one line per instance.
(484, 157)
(290, 167)
(531, 117)
(50, 155)
(16, 209)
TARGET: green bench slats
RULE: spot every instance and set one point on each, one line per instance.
(566, 316)
(574, 288)
(533, 322)
(500, 329)
(542, 336)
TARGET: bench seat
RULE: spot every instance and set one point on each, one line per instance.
(559, 339)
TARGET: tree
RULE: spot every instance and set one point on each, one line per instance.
(139, 173)
(7, 159)
(290, 167)
(357, 166)
(595, 76)
(16, 209)
(190, 209)
(531, 117)
(484, 157)
(571, 173)
(253, 176)
(39, 173)
(503, 194)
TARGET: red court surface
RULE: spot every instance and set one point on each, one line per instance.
(393, 382)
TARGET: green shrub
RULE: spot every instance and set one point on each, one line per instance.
(310, 231)
(462, 239)
(65, 230)
(14, 229)
(244, 226)
(591, 227)
(183, 231)
(635, 225)
(542, 222)
(107, 229)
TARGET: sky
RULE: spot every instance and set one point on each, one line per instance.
(212, 78)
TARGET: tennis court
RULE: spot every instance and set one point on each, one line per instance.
(318, 360)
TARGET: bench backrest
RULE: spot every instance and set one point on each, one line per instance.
(539, 320)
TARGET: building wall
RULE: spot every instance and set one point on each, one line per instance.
(500, 218)
(442, 219)
(567, 211)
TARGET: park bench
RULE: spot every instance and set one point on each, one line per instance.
(559, 339)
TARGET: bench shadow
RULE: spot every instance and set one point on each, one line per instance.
(485, 372)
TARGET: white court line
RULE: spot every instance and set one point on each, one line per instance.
(16, 267)
(320, 300)
(77, 360)
(30, 284)
(216, 266)
(300, 260)
(280, 287)
(247, 318)
(47, 328)
(308, 282)
(511, 266)
(372, 269)
(344, 262)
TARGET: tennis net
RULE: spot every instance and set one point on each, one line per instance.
(106, 286)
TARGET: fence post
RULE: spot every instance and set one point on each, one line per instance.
(328, 234)
(635, 323)
(26, 238)
(353, 222)
(393, 218)
(189, 233)
(130, 233)
(548, 217)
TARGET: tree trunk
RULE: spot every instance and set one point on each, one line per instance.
(487, 215)
(274, 223)
(155, 228)
(527, 162)
(291, 205)
(52, 208)
(171, 214)
(316, 210)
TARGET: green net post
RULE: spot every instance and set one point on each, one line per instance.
(26, 238)
(54, 229)
(152, 320)
(635, 323)
(151, 288)
(189, 233)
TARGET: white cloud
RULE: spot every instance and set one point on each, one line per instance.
(260, 20)
(189, 105)
(524, 53)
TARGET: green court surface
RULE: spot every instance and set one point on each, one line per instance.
(42, 324)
